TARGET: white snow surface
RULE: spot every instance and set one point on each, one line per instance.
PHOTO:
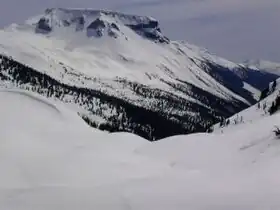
(51, 160)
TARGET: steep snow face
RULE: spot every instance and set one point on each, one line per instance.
(50, 159)
(105, 66)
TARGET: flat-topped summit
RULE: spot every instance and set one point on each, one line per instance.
(126, 18)
(97, 23)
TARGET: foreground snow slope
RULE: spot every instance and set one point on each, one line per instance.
(119, 70)
(51, 160)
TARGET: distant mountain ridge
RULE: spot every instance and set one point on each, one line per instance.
(265, 65)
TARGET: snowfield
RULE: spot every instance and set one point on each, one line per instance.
(51, 160)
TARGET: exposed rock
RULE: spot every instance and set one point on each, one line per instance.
(97, 24)
(43, 26)
(114, 26)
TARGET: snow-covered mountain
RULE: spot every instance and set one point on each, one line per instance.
(52, 160)
(120, 73)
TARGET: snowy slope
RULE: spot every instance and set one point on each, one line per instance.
(255, 113)
(119, 71)
(50, 159)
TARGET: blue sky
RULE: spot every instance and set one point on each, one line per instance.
(234, 29)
